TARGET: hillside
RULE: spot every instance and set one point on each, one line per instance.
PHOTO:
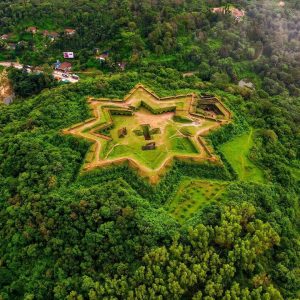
(6, 89)
(168, 167)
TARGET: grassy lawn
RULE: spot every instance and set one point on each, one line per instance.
(167, 142)
(183, 145)
(236, 152)
(192, 195)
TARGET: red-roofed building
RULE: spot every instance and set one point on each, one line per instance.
(70, 31)
(218, 10)
(64, 67)
(32, 30)
(52, 35)
(6, 36)
(238, 14)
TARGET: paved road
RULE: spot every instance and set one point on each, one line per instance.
(56, 74)
(11, 64)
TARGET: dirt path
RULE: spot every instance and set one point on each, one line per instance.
(111, 150)
(55, 73)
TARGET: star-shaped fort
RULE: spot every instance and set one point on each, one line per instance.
(148, 132)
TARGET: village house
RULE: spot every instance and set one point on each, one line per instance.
(218, 10)
(32, 30)
(51, 35)
(6, 36)
(70, 31)
(235, 12)
(63, 67)
(103, 56)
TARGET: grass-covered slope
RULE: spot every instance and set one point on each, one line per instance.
(237, 153)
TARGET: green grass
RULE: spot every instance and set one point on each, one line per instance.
(236, 152)
(192, 195)
(183, 145)
(181, 119)
(167, 142)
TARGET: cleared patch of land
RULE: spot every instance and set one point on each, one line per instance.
(236, 152)
(169, 141)
(192, 195)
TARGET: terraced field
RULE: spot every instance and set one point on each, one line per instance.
(192, 195)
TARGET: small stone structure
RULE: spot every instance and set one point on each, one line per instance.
(210, 107)
(122, 132)
(147, 131)
(149, 146)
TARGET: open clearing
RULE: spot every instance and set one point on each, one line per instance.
(192, 195)
(168, 142)
(236, 152)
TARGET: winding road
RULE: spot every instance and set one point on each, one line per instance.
(56, 74)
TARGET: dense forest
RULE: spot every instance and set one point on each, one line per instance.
(107, 234)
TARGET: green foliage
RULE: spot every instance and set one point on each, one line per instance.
(192, 268)
(26, 84)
